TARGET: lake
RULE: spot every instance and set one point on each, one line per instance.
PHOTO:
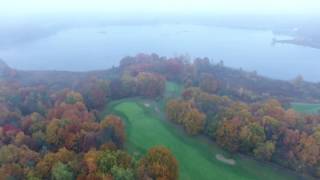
(90, 48)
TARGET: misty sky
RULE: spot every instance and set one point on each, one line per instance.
(22, 7)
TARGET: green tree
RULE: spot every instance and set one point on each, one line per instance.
(106, 161)
(119, 173)
(265, 150)
(61, 171)
(9, 154)
(73, 97)
(251, 135)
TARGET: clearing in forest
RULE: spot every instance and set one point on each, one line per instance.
(196, 157)
(306, 108)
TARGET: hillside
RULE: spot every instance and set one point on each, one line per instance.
(247, 86)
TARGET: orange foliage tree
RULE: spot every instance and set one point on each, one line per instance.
(185, 113)
(159, 163)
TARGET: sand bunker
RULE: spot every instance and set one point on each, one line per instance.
(147, 105)
(221, 158)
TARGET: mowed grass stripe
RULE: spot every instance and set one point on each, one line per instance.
(196, 158)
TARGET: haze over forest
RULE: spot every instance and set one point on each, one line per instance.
(26, 27)
(150, 89)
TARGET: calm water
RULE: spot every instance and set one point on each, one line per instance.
(83, 49)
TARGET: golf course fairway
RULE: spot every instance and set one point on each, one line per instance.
(306, 108)
(197, 158)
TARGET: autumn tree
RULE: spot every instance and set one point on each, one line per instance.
(114, 127)
(44, 168)
(308, 150)
(208, 83)
(33, 123)
(159, 163)
(15, 161)
(33, 99)
(95, 92)
(202, 64)
(53, 132)
(194, 121)
(272, 127)
(7, 116)
(227, 134)
(12, 171)
(272, 108)
(185, 113)
(251, 135)
(73, 97)
(175, 110)
(150, 85)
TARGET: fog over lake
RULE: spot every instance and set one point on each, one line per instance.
(90, 48)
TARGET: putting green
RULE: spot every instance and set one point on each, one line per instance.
(196, 157)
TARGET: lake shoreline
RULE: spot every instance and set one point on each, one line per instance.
(81, 49)
(298, 42)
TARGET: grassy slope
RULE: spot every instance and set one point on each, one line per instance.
(306, 108)
(196, 157)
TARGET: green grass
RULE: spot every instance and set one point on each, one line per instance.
(306, 108)
(196, 157)
(173, 89)
(146, 127)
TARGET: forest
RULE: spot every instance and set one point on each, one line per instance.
(52, 124)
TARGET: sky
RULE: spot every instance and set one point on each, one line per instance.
(23, 7)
